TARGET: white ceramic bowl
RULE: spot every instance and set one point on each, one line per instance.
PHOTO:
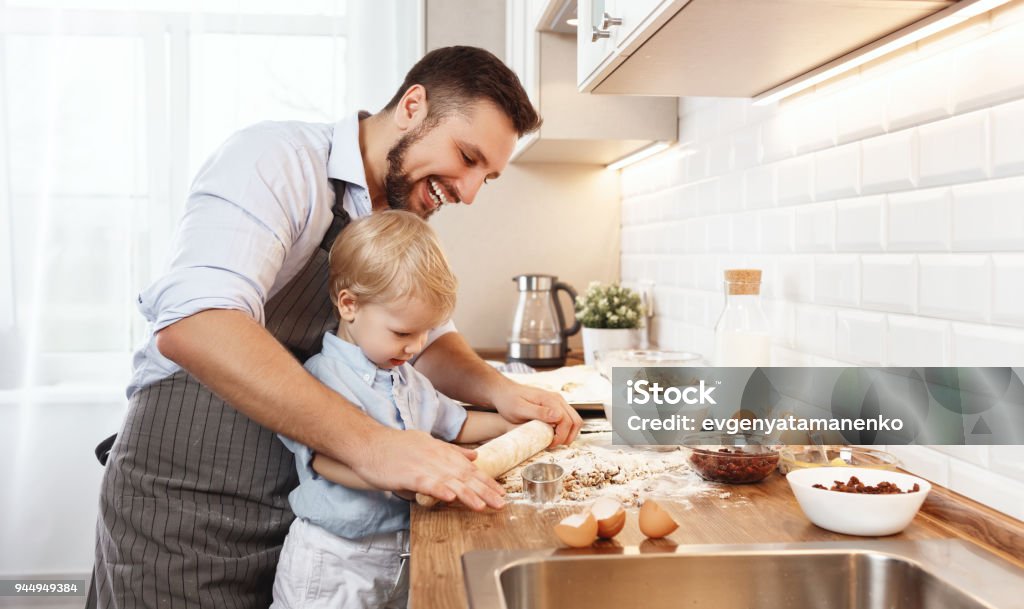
(855, 514)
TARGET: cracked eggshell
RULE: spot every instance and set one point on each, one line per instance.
(577, 530)
(655, 522)
(610, 516)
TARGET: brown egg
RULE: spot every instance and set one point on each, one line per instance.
(610, 516)
(577, 530)
(655, 522)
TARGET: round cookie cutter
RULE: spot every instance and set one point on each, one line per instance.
(542, 482)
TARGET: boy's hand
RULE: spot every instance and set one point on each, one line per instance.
(413, 461)
(521, 403)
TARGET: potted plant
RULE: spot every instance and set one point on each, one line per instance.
(611, 316)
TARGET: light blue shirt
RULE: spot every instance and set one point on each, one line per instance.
(257, 211)
(401, 398)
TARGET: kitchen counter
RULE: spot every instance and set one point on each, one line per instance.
(765, 512)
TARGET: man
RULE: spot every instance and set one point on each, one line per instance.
(194, 504)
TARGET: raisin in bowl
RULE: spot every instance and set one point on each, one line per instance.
(731, 458)
(871, 509)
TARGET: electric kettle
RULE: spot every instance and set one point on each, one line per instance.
(539, 334)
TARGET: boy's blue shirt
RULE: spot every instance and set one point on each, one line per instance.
(401, 398)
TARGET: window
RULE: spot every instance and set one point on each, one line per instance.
(107, 109)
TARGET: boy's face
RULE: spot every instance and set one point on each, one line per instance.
(448, 162)
(388, 333)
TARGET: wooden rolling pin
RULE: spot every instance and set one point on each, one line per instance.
(507, 451)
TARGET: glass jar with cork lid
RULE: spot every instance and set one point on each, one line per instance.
(743, 335)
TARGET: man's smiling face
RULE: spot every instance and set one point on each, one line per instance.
(447, 161)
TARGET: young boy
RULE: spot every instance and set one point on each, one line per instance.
(390, 284)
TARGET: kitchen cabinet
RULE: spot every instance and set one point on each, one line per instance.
(725, 48)
(578, 128)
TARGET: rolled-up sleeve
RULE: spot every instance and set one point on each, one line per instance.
(248, 205)
(450, 418)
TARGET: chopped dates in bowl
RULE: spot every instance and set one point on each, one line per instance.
(732, 465)
(854, 485)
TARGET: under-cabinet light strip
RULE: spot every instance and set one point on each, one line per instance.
(933, 24)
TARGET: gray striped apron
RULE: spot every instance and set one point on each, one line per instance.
(194, 500)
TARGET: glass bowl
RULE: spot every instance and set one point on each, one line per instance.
(732, 459)
(792, 458)
(606, 360)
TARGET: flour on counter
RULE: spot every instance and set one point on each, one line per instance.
(595, 468)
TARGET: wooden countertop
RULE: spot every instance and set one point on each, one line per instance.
(765, 512)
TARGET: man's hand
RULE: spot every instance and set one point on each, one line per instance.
(414, 461)
(520, 403)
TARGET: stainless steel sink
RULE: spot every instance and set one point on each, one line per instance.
(933, 574)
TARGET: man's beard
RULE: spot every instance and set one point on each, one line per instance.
(397, 184)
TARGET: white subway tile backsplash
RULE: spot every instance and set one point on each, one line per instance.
(990, 73)
(707, 197)
(918, 93)
(746, 148)
(696, 308)
(686, 201)
(979, 345)
(919, 221)
(889, 162)
(837, 172)
(776, 230)
(730, 192)
(923, 461)
(916, 341)
(788, 357)
(709, 277)
(781, 318)
(989, 216)
(759, 185)
(816, 330)
(869, 203)
(795, 180)
(719, 234)
(989, 488)
(1008, 461)
(696, 232)
(837, 280)
(795, 280)
(859, 224)
(686, 272)
(745, 232)
(814, 227)
(1008, 139)
(954, 150)
(1008, 289)
(860, 111)
(732, 114)
(889, 282)
(955, 286)
(860, 337)
(720, 157)
(777, 136)
(976, 454)
(816, 127)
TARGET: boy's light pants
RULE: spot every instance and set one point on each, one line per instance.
(319, 569)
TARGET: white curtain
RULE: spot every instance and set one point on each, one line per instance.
(107, 108)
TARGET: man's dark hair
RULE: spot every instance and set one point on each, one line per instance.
(457, 76)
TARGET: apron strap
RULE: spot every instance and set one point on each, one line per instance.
(340, 219)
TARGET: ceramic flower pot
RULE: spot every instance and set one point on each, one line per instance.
(607, 339)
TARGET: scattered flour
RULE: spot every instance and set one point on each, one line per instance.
(594, 468)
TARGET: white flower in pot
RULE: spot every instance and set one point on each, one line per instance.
(611, 316)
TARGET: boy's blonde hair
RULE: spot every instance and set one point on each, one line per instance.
(388, 255)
